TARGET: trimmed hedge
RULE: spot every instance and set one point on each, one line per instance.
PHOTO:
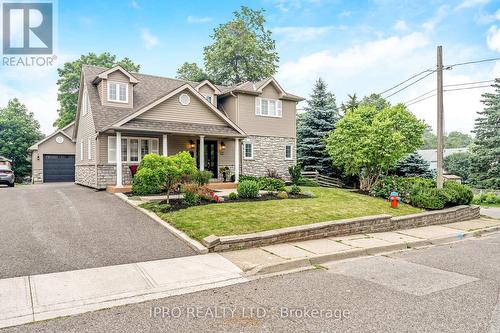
(422, 192)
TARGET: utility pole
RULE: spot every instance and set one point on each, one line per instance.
(440, 125)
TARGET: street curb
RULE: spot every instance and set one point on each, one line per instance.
(195, 245)
(312, 261)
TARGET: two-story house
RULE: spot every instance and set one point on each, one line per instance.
(123, 116)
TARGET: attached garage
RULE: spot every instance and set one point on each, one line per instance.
(53, 158)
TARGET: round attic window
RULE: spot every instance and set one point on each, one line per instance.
(184, 99)
(59, 139)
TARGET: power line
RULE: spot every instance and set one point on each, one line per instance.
(409, 85)
(466, 88)
(411, 102)
(412, 77)
(420, 100)
(450, 85)
(473, 62)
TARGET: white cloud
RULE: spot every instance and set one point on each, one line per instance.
(197, 19)
(149, 39)
(302, 33)
(440, 15)
(400, 25)
(134, 4)
(287, 5)
(493, 38)
(471, 3)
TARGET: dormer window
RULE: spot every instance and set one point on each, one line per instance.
(118, 92)
(209, 98)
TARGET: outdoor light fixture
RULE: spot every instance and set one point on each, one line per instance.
(191, 144)
(37, 157)
(222, 145)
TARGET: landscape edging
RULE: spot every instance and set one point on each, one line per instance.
(360, 225)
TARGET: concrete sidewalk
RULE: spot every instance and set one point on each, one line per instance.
(287, 256)
(39, 297)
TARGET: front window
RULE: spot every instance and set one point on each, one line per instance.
(118, 92)
(248, 151)
(133, 150)
(268, 107)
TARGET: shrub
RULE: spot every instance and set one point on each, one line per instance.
(191, 198)
(282, 195)
(462, 194)
(429, 199)
(148, 181)
(295, 172)
(201, 177)
(271, 184)
(233, 196)
(486, 198)
(163, 207)
(295, 190)
(243, 178)
(307, 182)
(405, 187)
(272, 173)
(248, 189)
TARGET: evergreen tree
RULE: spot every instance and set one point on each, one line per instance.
(485, 161)
(413, 165)
(313, 127)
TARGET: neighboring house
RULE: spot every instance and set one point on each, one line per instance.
(123, 116)
(430, 155)
(53, 158)
(5, 161)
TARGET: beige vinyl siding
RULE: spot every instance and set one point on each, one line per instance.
(229, 106)
(207, 90)
(226, 157)
(172, 110)
(86, 130)
(70, 130)
(52, 147)
(116, 76)
(252, 124)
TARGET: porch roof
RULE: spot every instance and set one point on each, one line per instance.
(179, 128)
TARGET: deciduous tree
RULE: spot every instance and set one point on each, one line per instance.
(191, 72)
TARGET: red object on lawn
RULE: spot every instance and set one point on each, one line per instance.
(394, 199)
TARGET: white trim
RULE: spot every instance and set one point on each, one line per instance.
(111, 138)
(104, 75)
(173, 93)
(89, 150)
(237, 148)
(165, 145)
(278, 107)
(273, 80)
(85, 101)
(206, 82)
(184, 95)
(245, 150)
(212, 98)
(118, 84)
(139, 139)
(119, 171)
(82, 147)
(291, 152)
(202, 153)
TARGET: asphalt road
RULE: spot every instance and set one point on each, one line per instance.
(448, 288)
(60, 227)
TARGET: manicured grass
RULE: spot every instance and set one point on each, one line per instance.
(247, 217)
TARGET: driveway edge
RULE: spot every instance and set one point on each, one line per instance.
(195, 245)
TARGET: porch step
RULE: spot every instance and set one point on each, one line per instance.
(222, 186)
(119, 189)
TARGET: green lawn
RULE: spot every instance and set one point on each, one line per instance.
(247, 217)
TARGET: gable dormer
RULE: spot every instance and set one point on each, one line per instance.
(209, 91)
(116, 87)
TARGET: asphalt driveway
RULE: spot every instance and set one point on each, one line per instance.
(59, 227)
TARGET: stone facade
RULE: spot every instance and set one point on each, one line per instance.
(106, 175)
(85, 175)
(37, 176)
(361, 225)
(268, 154)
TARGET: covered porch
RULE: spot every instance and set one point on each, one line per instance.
(213, 147)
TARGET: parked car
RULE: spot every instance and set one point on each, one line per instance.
(6, 175)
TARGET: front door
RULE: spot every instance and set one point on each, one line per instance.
(210, 157)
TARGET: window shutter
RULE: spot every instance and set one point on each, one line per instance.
(111, 149)
(279, 111)
(258, 102)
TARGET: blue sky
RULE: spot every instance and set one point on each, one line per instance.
(356, 46)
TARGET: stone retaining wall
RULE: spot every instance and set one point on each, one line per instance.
(361, 225)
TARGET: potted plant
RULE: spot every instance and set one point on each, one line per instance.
(225, 172)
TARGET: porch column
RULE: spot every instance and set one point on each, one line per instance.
(118, 159)
(165, 145)
(202, 152)
(236, 160)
